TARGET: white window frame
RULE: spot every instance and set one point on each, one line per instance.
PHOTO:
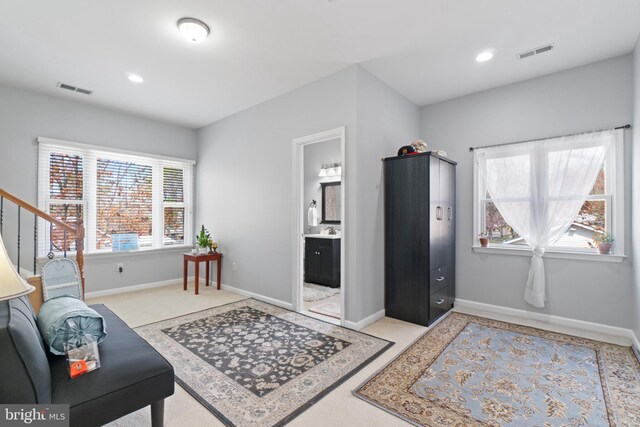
(614, 214)
(90, 154)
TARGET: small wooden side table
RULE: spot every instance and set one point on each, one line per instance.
(197, 259)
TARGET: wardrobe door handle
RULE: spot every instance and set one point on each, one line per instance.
(440, 279)
(449, 213)
(440, 301)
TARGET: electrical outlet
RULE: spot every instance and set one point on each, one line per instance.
(120, 268)
(234, 266)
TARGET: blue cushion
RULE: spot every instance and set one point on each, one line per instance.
(68, 319)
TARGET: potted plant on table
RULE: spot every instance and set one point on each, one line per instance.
(603, 242)
(484, 239)
(203, 239)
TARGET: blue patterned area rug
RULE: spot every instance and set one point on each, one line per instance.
(472, 371)
(254, 364)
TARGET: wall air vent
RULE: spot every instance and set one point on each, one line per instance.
(73, 88)
(533, 52)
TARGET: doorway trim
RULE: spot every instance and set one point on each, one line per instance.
(299, 214)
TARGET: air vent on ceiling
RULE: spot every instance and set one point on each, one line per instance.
(536, 51)
(74, 88)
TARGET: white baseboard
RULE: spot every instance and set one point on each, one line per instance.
(636, 345)
(579, 328)
(259, 297)
(133, 288)
(364, 322)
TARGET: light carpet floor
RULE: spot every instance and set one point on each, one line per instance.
(339, 408)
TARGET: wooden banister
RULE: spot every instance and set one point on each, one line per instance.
(36, 211)
(77, 231)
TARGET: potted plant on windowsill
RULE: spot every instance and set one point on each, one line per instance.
(484, 239)
(203, 240)
(603, 242)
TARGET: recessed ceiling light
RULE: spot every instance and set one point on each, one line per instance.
(484, 56)
(193, 29)
(135, 78)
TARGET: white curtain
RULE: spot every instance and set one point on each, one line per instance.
(539, 187)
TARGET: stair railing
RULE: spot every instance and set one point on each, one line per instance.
(77, 233)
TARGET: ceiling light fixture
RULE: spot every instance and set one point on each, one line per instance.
(484, 56)
(135, 78)
(193, 29)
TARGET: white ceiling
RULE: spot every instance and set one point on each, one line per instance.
(259, 49)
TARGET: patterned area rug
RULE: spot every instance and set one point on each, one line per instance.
(254, 364)
(472, 371)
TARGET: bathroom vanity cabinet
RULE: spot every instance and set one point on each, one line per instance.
(322, 261)
(420, 235)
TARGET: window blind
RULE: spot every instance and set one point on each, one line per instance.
(124, 201)
(65, 180)
(173, 205)
(66, 197)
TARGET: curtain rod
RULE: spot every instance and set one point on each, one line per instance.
(549, 137)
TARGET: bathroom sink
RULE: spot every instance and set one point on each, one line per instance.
(323, 236)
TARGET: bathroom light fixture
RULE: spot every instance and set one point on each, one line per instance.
(330, 169)
(193, 29)
(484, 56)
(136, 78)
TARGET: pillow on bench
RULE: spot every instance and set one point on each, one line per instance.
(68, 319)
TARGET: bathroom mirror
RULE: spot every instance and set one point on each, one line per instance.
(331, 202)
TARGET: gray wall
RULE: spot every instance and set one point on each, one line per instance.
(249, 176)
(587, 98)
(386, 121)
(25, 115)
(315, 155)
(244, 188)
(636, 188)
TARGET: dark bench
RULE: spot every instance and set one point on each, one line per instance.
(132, 373)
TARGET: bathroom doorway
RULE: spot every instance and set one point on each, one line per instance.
(319, 225)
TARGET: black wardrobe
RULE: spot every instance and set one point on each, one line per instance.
(420, 235)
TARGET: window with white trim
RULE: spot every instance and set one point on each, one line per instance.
(603, 211)
(126, 201)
